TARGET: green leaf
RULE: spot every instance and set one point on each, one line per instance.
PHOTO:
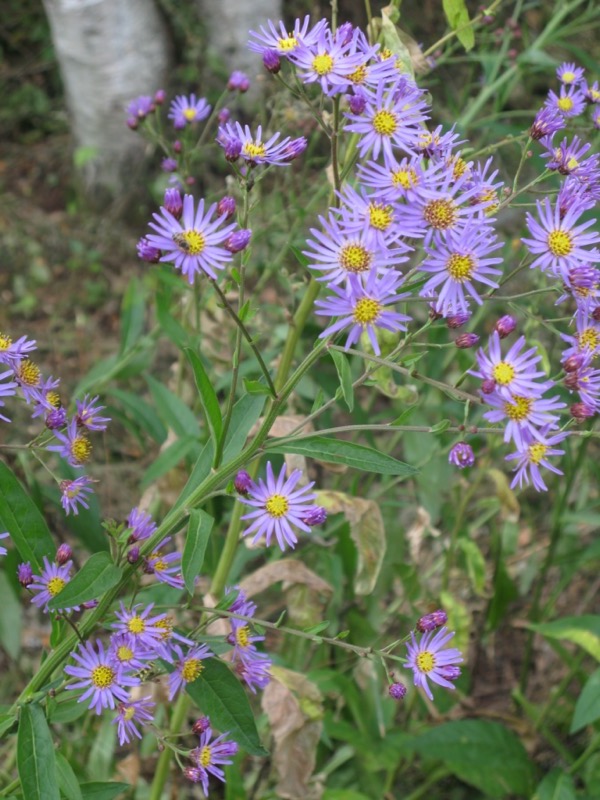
(21, 518)
(458, 16)
(35, 755)
(556, 785)
(102, 791)
(173, 329)
(219, 695)
(246, 412)
(11, 618)
(587, 708)
(256, 387)
(132, 315)
(338, 451)
(67, 782)
(142, 412)
(208, 397)
(167, 460)
(484, 754)
(97, 575)
(584, 631)
(172, 409)
(200, 472)
(475, 564)
(68, 710)
(198, 533)
(441, 426)
(343, 370)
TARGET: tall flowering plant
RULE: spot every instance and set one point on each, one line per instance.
(408, 249)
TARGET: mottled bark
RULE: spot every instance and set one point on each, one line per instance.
(109, 51)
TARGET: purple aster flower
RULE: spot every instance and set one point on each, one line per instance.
(370, 74)
(187, 110)
(364, 308)
(254, 670)
(46, 397)
(14, 351)
(28, 377)
(173, 202)
(568, 159)
(316, 516)
(7, 389)
(167, 636)
(192, 243)
(238, 82)
(188, 666)
(50, 583)
(569, 74)
(165, 566)
(147, 252)
(284, 42)
(431, 622)
(573, 192)
(514, 374)
(392, 118)
(458, 260)
(127, 650)
(128, 714)
(596, 118)
(242, 639)
(294, 149)
(339, 253)
(279, 505)
(74, 446)
(524, 415)
(428, 659)
(559, 243)
(532, 455)
(138, 109)
(142, 525)
(202, 724)
(88, 414)
(100, 675)
(25, 574)
(466, 340)
(253, 149)
(57, 418)
(168, 165)
(3, 550)
(591, 92)
(483, 179)
(582, 412)
(208, 758)
(547, 121)
(437, 143)
(587, 339)
(570, 103)
(584, 378)
(140, 625)
(461, 455)
(397, 690)
(364, 212)
(74, 493)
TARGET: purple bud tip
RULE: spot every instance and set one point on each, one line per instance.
(457, 320)
(315, 516)
(344, 33)
(466, 340)
(133, 556)
(449, 672)
(582, 412)
(177, 146)
(488, 386)
(462, 455)
(238, 82)
(224, 116)
(505, 326)
(173, 202)
(573, 363)
(193, 774)
(25, 573)
(397, 691)
(272, 61)
(168, 165)
(572, 381)
(90, 604)
(226, 206)
(57, 418)
(201, 725)
(238, 240)
(242, 482)
(429, 622)
(357, 103)
(63, 554)
(147, 252)
(133, 123)
(159, 97)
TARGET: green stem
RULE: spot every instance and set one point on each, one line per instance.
(227, 554)
(164, 762)
(296, 328)
(10, 788)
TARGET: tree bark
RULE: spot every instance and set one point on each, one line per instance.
(109, 52)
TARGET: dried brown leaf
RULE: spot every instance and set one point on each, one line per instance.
(287, 570)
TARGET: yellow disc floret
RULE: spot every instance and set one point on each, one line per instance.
(385, 122)
(358, 76)
(81, 449)
(204, 757)
(405, 178)
(254, 150)
(536, 452)
(55, 586)
(560, 243)
(322, 64)
(565, 104)
(277, 506)
(103, 676)
(355, 258)
(5, 341)
(136, 625)
(590, 337)
(288, 44)
(124, 653)
(242, 636)
(191, 669)
(441, 214)
(380, 216)
(366, 310)
(518, 410)
(460, 267)
(28, 373)
(503, 373)
(425, 661)
(191, 242)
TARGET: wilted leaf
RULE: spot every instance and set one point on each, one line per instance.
(415, 534)
(294, 707)
(367, 532)
(287, 570)
(390, 38)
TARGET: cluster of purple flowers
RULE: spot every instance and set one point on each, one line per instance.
(166, 567)
(210, 755)
(252, 666)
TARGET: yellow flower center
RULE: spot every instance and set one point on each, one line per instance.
(287, 44)
(55, 586)
(81, 448)
(191, 669)
(322, 64)
(440, 214)
(189, 114)
(355, 258)
(366, 310)
(242, 636)
(385, 122)
(594, 95)
(568, 77)
(590, 337)
(102, 676)
(166, 623)
(29, 373)
(572, 163)
(460, 267)
(191, 242)
(5, 341)
(359, 75)
(124, 653)
(490, 196)
(503, 373)
(459, 166)
(277, 506)
(425, 661)
(254, 150)
(519, 409)
(380, 216)
(565, 104)
(158, 563)
(537, 452)
(136, 625)
(205, 756)
(560, 243)
(128, 713)
(53, 398)
(405, 178)
(385, 53)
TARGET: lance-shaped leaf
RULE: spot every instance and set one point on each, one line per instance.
(583, 630)
(198, 533)
(35, 755)
(208, 396)
(97, 575)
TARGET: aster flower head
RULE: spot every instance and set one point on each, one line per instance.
(50, 583)
(568, 159)
(461, 455)
(7, 389)
(188, 666)
(74, 445)
(252, 148)
(483, 178)
(14, 351)
(361, 211)
(569, 74)
(429, 658)
(187, 110)
(364, 308)
(192, 243)
(524, 415)
(100, 676)
(431, 622)
(437, 143)
(587, 338)
(514, 374)
(46, 397)
(278, 505)
(284, 42)
(591, 92)
(238, 82)
(140, 625)
(209, 756)
(142, 525)
(128, 651)
(25, 574)
(547, 121)
(88, 414)
(397, 690)
(254, 670)
(165, 566)
(128, 714)
(393, 180)
(534, 454)
(458, 261)
(28, 377)
(3, 550)
(570, 102)
(138, 109)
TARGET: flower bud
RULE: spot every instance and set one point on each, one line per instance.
(242, 482)
(344, 33)
(173, 202)
(295, 148)
(397, 691)
(573, 363)
(177, 146)
(238, 240)
(147, 252)
(193, 774)
(63, 554)
(25, 573)
(462, 455)
(159, 97)
(582, 412)
(226, 206)
(596, 311)
(133, 556)
(238, 82)
(357, 103)
(89, 604)
(315, 516)
(457, 320)
(201, 725)
(133, 123)
(488, 386)
(168, 165)
(57, 418)
(571, 381)
(466, 340)
(449, 672)
(505, 326)
(429, 622)
(224, 116)
(233, 147)
(272, 61)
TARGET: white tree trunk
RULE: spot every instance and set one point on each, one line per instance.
(109, 52)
